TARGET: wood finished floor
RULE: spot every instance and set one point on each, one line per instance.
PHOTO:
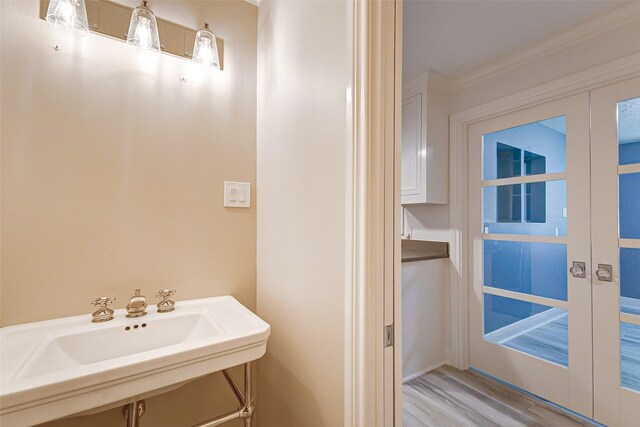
(447, 397)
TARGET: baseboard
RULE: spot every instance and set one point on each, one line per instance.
(630, 305)
(423, 371)
(523, 326)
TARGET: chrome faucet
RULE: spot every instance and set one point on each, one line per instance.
(102, 314)
(137, 305)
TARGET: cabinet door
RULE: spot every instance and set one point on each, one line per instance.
(414, 176)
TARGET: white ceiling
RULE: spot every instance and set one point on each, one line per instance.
(454, 37)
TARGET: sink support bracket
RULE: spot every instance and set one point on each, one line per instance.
(245, 399)
(133, 412)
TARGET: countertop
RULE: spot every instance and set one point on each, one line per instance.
(420, 250)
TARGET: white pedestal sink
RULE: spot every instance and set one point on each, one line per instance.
(56, 368)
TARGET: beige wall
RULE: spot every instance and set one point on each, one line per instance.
(112, 177)
(303, 149)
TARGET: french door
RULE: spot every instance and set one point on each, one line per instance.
(554, 232)
(615, 210)
(529, 215)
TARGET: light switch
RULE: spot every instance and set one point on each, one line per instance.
(237, 194)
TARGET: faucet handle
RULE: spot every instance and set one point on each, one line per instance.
(102, 314)
(166, 293)
(103, 301)
(166, 305)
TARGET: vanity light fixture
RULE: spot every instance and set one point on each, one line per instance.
(205, 49)
(68, 14)
(143, 29)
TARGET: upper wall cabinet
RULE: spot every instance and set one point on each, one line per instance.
(425, 140)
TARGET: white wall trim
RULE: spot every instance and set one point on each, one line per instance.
(428, 78)
(590, 29)
(521, 327)
(398, 219)
(372, 248)
(631, 305)
(358, 389)
(423, 371)
(458, 289)
(615, 71)
(600, 75)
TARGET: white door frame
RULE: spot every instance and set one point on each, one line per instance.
(372, 372)
(615, 71)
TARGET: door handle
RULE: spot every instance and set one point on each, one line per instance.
(604, 273)
(578, 269)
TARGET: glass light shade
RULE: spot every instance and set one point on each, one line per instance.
(205, 49)
(68, 14)
(143, 29)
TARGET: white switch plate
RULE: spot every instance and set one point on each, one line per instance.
(237, 194)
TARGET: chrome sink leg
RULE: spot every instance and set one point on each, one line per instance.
(247, 408)
(133, 411)
(248, 398)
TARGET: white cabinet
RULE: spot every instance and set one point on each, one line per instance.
(425, 141)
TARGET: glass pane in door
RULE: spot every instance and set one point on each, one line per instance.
(630, 280)
(629, 228)
(525, 267)
(629, 131)
(629, 200)
(525, 282)
(537, 208)
(630, 356)
(535, 329)
(531, 149)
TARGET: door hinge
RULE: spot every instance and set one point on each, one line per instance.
(388, 335)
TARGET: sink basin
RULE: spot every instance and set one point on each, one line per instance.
(56, 368)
